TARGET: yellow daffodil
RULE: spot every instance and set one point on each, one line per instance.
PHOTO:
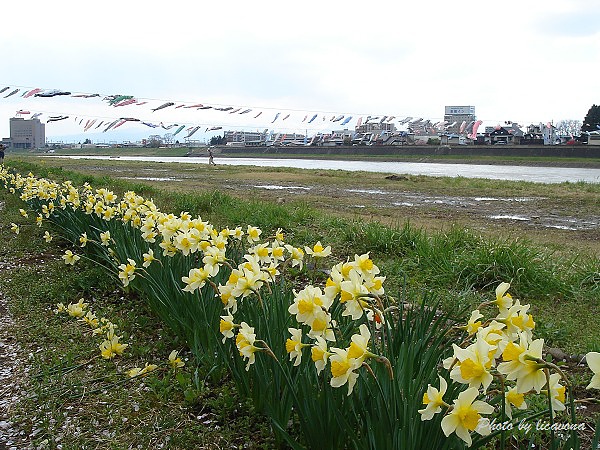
(294, 345)
(557, 392)
(352, 292)
(308, 303)
(47, 237)
(175, 361)
(139, 372)
(522, 363)
(196, 279)
(23, 213)
(359, 347)
(473, 365)
(112, 347)
(70, 258)
(320, 354)
(77, 309)
(433, 400)
(15, 228)
(296, 256)
(127, 272)
(503, 300)
(105, 238)
(83, 239)
(91, 319)
(318, 251)
(343, 369)
(148, 258)
(38, 220)
(593, 361)
(245, 343)
(465, 416)
(474, 323)
(226, 327)
(514, 398)
(253, 234)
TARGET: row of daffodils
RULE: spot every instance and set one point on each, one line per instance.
(333, 360)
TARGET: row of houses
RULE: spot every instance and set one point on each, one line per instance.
(386, 134)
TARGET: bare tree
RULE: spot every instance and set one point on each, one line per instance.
(154, 141)
(168, 138)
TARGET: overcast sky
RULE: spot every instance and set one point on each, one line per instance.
(527, 61)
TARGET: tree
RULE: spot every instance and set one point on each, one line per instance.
(592, 120)
(154, 141)
(218, 140)
(168, 138)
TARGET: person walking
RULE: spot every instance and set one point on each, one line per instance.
(2, 153)
(211, 161)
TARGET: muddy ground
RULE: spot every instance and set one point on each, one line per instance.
(560, 217)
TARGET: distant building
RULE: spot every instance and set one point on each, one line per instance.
(245, 138)
(455, 116)
(27, 133)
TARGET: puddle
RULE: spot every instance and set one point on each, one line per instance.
(506, 216)
(153, 178)
(275, 187)
(367, 191)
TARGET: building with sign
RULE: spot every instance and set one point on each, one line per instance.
(457, 117)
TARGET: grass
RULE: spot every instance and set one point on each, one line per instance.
(456, 264)
(96, 405)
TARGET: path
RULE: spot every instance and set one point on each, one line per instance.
(12, 371)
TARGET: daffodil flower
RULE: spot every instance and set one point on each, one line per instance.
(127, 272)
(174, 360)
(111, 347)
(514, 398)
(138, 372)
(105, 238)
(226, 327)
(47, 237)
(465, 416)
(70, 258)
(343, 369)
(318, 251)
(593, 361)
(557, 392)
(522, 364)
(253, 234)
(473, 364)
(196, 279)
(296, 255)
(83, 239)
(245, 343)
(77, 309)
(14, 228)
(320, 354)
(474, 323)
(433, 400)
(503, 300)
(23, 213)
(294, 345)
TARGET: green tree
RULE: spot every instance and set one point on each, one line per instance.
(592, 119)
(218, 140)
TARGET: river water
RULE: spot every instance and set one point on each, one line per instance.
(489, 171)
